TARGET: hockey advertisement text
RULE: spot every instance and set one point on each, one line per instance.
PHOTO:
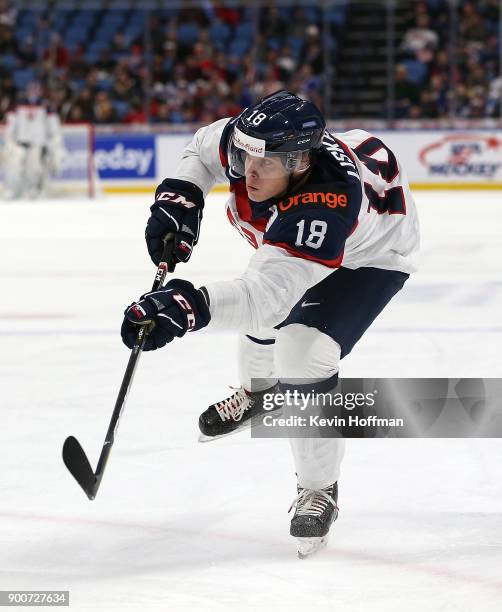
(125, 156)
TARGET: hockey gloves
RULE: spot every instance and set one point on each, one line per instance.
(178, 210)
(175, 309)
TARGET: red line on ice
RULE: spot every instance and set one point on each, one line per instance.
(339, 553)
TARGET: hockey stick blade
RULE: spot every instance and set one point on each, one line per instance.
(77, 463)
(74, 456)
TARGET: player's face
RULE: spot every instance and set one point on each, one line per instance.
(266, 177)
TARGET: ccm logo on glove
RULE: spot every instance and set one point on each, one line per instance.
(175, 309)
(175, 198)
(186, 306)
(177, 210)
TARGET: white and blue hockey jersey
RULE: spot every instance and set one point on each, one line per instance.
(354, 209)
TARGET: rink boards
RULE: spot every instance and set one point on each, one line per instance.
(126, 161)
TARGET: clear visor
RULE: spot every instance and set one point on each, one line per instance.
(245, 159)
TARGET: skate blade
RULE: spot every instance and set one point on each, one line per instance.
(244, 427)
(309, 546)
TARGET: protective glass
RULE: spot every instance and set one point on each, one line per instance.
(247, 154)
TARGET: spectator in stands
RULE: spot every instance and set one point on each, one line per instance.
(428, 107)
(136, 114)
(78, 68)
(477, 103)
(170, 40)
(170, 60)
(8, 14)
(229, 15)
(303, 83)
(200, 70)
(228, 107)
(269, 84)
(81, 107)
(489, 56)
(27, 53)
(135, 59)
(272, 26)
(8, 43)
(441, 64)
(312, 53)
(286, 63)
(75, 114)
(460, 101)
(241, 93)
(175, 112)
(298, 24)
(221, 67)
(493, 105)
(105, 64)
(58, 92)
(310, 84)
(125, 87)
(119, 46)
(471, 25)
(475, 75)
(193, 14)
(8, 92)
(85, 101)
(103, 109)
(157, 34)
(407, 94)
(202, 56)
(420, 38)
(188, 71)
(268, 60)
(56, 55)
(215, 85)
(159, 73)
(161, 113)
(440, 94)
(490, 10)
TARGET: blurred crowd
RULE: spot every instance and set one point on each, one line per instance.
(199, 64)
(425, 72)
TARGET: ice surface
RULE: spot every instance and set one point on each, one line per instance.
(183, 526)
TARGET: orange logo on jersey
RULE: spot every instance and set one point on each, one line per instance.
(332, 200)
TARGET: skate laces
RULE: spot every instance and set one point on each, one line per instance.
(312, 502)
(234, 406)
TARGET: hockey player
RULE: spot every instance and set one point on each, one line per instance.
(335, 229)
(33, 147)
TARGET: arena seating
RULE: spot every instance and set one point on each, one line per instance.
(198, 63)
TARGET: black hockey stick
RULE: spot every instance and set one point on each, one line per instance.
(74, 456)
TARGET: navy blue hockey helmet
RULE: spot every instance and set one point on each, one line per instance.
(281, 125)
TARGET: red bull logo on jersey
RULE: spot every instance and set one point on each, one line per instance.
(331, 200)
(463, 155)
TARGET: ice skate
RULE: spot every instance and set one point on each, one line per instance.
(234, 414)
(315, 511)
